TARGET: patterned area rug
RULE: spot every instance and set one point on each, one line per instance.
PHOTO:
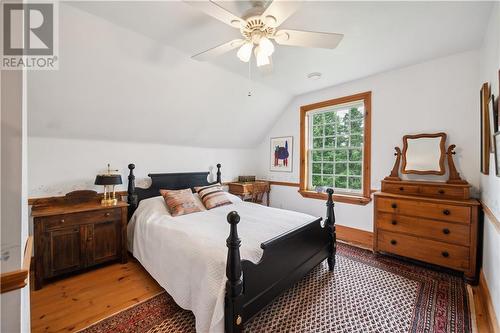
(366, 293)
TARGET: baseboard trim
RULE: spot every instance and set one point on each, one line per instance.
(356, 237)
(485, 296)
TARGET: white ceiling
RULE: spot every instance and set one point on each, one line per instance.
(126, 74)
(378, 35)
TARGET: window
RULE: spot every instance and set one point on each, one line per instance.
(335, 148)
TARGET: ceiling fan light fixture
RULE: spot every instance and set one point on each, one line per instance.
(245, 52)
(261, 57)
(266, 46)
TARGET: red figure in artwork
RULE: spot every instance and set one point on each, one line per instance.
(281, 153)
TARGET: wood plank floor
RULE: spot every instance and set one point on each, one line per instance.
(76, 302)
(73, 303)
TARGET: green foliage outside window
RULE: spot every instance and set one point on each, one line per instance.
(337, 149)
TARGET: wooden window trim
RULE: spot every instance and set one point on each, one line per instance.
(361, 199)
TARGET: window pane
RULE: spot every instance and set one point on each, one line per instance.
(342, 141)
(327, 181)
(343, 127)
(355, 154)
(328, 169)
(317, 131)
(316, 180)
(357, 126)
(354, 169)
(329, 117)
(355, 183)
(330, 142)
(330, 129)
(316, 168)
(318, 119)
(341, 182)
(318, 143)
(340, 155)
(356, 140)
(316, 155)
(356, 113)
(328, 155)
(341, 168)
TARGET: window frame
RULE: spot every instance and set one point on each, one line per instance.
(354, 198)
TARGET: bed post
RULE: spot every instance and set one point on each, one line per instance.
(131, 196)
(233, 320)
(218, 174)
(332, 235)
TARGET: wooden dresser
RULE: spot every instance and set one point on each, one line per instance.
(433, 222)
(71, 236)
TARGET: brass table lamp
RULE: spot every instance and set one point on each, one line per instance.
(106, 180)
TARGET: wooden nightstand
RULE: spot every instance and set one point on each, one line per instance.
(245, 189)
(73, 235)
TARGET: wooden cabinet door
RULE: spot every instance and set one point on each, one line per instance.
(64, 253)
(103, 242)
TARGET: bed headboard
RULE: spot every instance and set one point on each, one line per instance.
(170, 181)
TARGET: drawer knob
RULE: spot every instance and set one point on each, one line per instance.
(445, 254)
(393, 242)
(401, 188)
(62, 221)
(394, 222)
(107, 214)
(394, 205)
(446, 212)
(441, 191)
(446, 231)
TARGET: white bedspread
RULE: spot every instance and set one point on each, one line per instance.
(187, 254)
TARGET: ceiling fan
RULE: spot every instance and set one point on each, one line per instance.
(259, 27)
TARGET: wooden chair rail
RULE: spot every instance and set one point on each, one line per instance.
(18, 279)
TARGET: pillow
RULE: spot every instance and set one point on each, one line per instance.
(180, 202)
(212, 196)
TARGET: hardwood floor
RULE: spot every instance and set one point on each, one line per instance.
(73, 303)
(76, 302)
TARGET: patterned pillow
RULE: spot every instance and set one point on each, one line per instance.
(213, 196)
(180, 202)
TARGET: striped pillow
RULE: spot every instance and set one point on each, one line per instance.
(180, 202)
(213, 196)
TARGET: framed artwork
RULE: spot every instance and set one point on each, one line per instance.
(281, 154)
(485, 129)
(496, 143)
(493, 115)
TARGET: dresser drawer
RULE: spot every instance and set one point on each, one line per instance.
(429, 210)
(63, 220)
(430, 251)
(401, 188)
(443, 192)
(442, 231)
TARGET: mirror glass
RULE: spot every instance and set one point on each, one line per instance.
(424, 154)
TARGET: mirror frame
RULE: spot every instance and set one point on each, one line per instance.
(441, 158)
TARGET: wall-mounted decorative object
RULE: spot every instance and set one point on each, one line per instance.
(281, 156)
(493, 115)
(496, 143)
(485, 129)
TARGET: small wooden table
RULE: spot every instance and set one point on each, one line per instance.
(243, 189)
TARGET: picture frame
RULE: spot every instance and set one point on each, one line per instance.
(281, 154)
(493, 118)
(496, 144)
(485, 128)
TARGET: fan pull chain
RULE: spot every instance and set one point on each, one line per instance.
(250, 78)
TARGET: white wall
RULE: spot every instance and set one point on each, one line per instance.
(436, 96)
(490, 184)
(58, 166)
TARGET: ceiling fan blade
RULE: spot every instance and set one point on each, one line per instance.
(278, 11)
(213, 9)
(323, 40)
(218, 50)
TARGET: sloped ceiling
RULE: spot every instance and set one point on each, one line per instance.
(125, 70)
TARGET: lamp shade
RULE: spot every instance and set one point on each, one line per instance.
(108, 180)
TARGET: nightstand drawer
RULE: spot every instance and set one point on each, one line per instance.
(430, 210)
(442, 231)
(63, 220)
(434, 252)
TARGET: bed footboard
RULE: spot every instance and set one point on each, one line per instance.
(286, 259)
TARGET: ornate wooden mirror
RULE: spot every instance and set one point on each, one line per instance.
(424, 154)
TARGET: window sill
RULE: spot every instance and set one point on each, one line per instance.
(344, 198)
